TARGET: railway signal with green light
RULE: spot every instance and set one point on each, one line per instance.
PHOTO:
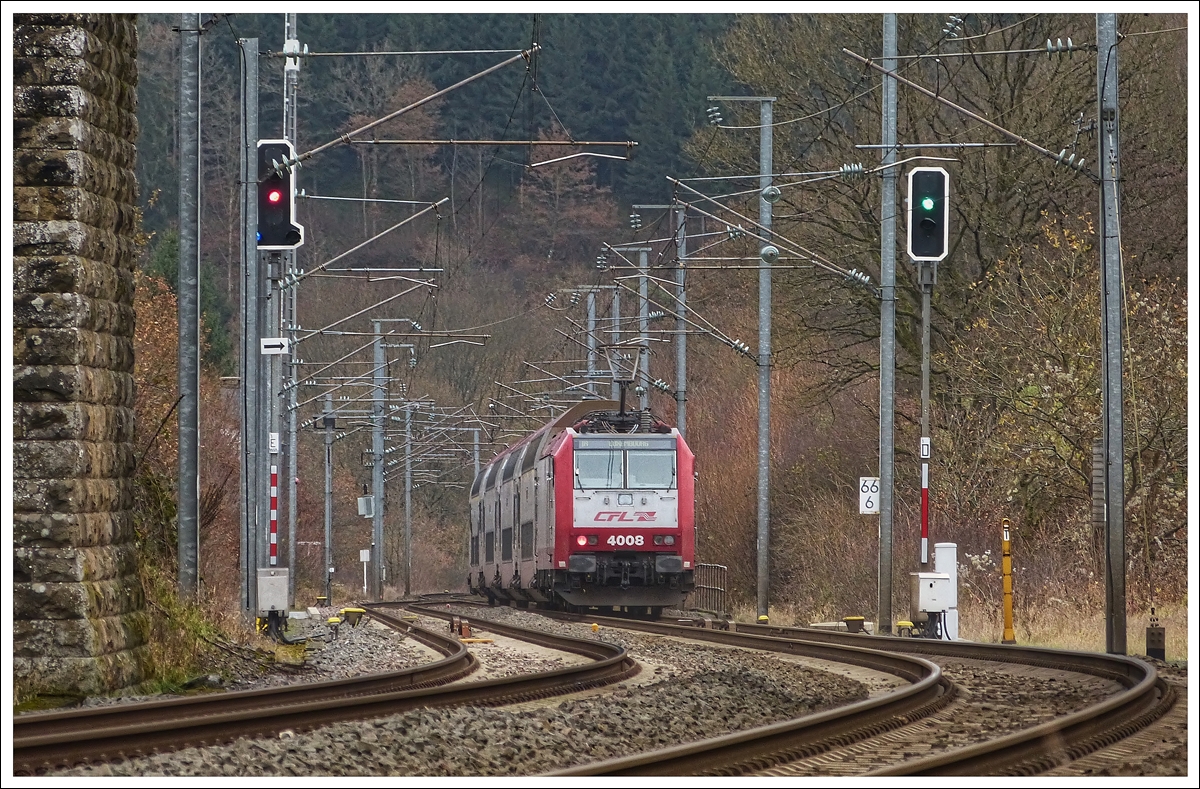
(928, 213)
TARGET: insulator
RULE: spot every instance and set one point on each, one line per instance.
(412, 363)
(655, 315)
(859, 276)
(574, 299)
(850, 171)
(550, 299)
(1059, 46)
(416, 326)
(734, 232)
(714, 116)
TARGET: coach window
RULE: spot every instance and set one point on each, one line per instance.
(599, 469)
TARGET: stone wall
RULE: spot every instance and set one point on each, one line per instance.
(80, 624)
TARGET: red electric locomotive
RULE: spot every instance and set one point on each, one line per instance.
(594, 510)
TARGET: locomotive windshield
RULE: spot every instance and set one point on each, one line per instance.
(608, 468)
(599, 469)
(653, 469)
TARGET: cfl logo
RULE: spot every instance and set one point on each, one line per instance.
(623, 517)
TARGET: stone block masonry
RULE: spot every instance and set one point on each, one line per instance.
(80, 621)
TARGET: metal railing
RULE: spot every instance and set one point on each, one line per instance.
(709, 593)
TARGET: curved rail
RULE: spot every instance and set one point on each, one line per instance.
(1027, 752)
(757, 748)
(47, 741)
(1146, 698)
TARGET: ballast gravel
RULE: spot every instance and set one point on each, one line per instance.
(693, 692)
(369, 648)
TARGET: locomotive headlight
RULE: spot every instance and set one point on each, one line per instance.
(664, 539)
(582, 540)
(593, 539)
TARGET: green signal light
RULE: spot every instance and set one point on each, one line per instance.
(927, 203)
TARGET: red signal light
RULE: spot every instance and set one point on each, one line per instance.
(274, 196)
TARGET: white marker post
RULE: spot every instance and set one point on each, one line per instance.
(364, 556)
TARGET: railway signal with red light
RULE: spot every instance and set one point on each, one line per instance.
(277, 227)
(928, 213)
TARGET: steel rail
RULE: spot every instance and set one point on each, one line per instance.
(1145, 699)
(47, 741)
(1026, 752)
(753, 749)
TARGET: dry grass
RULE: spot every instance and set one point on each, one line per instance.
(1058, 627)
(1062, 627)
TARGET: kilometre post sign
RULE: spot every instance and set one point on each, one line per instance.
(868, 495)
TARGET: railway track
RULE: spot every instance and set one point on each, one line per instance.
(44, 742)
(1141, 699)
(888, 734)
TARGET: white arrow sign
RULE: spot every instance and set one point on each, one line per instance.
(273, 345)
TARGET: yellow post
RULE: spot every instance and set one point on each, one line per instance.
(1010, 636)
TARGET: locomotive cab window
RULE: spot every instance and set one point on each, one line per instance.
(599, 469)
(651, 469)
(649, 466)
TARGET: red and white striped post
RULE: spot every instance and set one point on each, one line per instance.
(925, 452)
(274, 515)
